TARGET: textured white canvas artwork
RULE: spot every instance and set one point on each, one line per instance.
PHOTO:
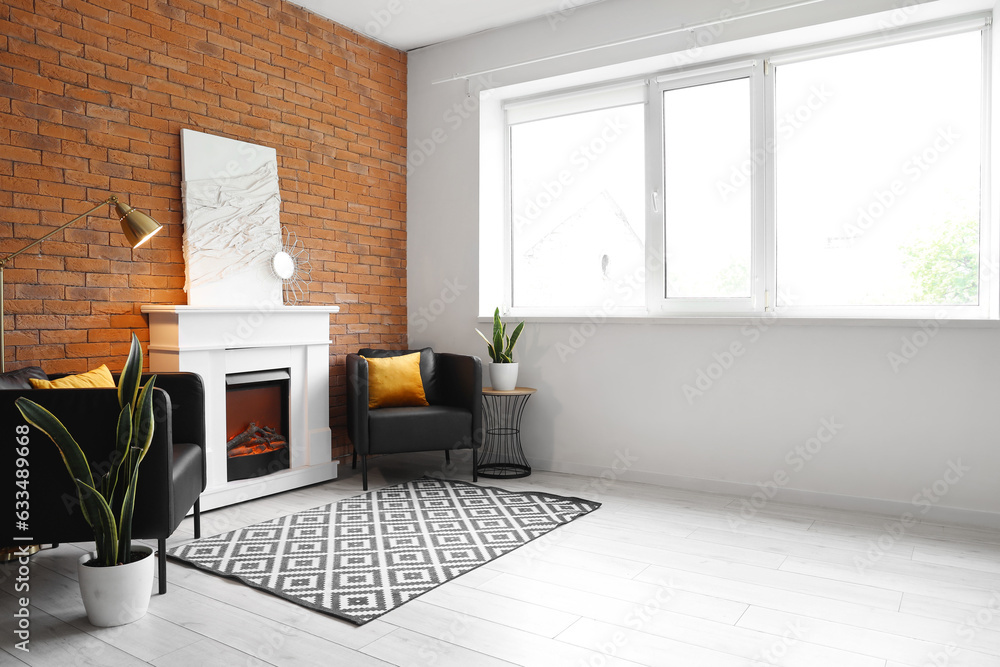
(232, 228)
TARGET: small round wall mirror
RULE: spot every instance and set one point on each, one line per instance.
(290, 265)
(283, 265)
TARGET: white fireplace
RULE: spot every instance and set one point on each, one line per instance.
(217, 342)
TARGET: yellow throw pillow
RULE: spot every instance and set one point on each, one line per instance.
(394, 382)
(98, 378)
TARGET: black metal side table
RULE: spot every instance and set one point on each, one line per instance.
(502, 456)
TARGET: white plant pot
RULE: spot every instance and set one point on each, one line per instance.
(503, 376)
(120, 594)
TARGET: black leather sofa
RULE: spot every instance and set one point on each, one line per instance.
(453, 385)
(171, 477)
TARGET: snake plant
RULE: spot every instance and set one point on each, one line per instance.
(502, 347)
(109, 500)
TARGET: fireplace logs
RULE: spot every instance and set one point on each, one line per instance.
(255, 440)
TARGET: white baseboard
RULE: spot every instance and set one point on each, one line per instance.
(891, 509)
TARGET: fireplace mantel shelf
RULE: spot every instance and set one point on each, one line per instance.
(288, 310)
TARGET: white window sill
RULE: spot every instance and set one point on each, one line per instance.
(753, 320)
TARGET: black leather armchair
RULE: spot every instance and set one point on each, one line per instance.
(453, 385)
(171, 477)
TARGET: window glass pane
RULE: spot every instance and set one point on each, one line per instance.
(707, 191)
(577, 209)
(878, 175)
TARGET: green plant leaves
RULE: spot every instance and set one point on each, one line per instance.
(143, 434)
(509, 352)
(105, 530)
(128, 383)
(108, 510)
(502, 347)
(127, 508)
(489, 345)
(115, 481)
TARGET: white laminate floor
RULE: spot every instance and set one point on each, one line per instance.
(655, 577)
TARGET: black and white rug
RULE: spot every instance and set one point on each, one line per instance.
(363, 556)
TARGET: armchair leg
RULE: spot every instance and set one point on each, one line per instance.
(161, 548)
(364, 472)
(354, 461)
(475, 464)
(447, 456)
(197, 518)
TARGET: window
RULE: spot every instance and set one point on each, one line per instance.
(844, 179)
(878, 187)
(707, 229)
(577, 192)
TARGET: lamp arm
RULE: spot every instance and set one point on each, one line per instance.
(110, 200)
(3, 262)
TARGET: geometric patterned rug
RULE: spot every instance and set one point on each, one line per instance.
(363, 556)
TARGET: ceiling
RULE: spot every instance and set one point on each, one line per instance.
(411, 24)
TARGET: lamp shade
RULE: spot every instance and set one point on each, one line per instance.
(136, 225)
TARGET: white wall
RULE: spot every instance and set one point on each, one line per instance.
(620, 392)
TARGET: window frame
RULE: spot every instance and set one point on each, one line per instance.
(623, 91)
(988, 255)
(657, 302)
(764, 299)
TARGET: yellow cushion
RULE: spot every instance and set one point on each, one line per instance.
(99, 378)
(394, 382)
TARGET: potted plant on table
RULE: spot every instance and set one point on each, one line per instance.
(116, 580)
(503, 370)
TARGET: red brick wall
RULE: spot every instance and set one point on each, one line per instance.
(93, 95)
